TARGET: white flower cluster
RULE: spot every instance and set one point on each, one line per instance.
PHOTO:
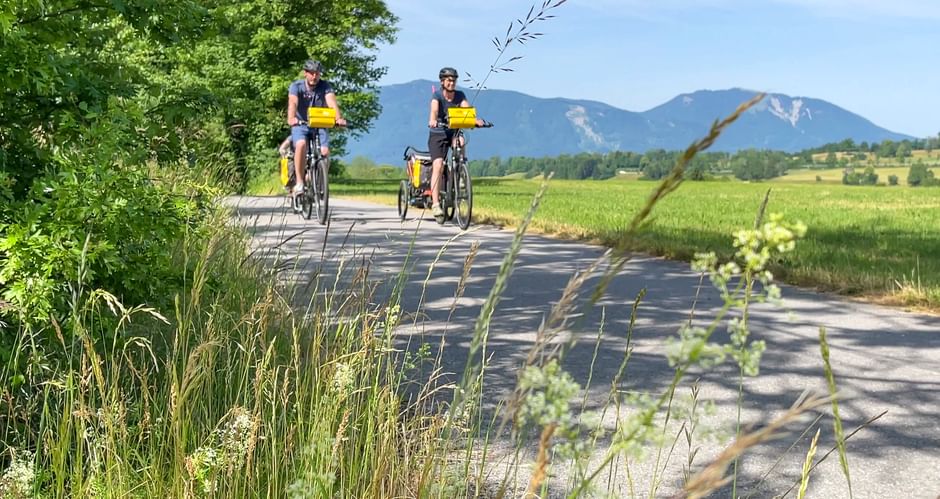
(17, 480)
(692, 347)
(344, 379)
(235, 438)
(550, 393)
(232, 443)
(755, 249)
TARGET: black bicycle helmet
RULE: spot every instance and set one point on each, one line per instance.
(447, 73)
(313, 66)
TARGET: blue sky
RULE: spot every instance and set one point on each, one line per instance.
(877, 58)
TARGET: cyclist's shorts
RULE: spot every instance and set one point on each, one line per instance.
(438, 144)
(298, 132)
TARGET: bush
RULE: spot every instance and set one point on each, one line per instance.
(919, 175)
(851, 177)
(98, 227)
(892, 180)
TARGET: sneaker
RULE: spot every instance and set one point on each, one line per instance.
(436, 211)
(298, 189)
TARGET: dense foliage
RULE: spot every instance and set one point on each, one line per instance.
(920, 175)
(115, 119)
(868, 177)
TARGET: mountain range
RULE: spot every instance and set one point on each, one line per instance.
(537, 127)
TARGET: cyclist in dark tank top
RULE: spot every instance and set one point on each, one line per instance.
(440, 137)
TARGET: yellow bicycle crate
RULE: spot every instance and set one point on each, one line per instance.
(285, 174)
(462, 117)
(321, 117)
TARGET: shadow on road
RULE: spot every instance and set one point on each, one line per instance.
(883, 359)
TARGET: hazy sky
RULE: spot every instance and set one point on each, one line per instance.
(877, 58)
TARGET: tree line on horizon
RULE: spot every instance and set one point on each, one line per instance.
(747, 164)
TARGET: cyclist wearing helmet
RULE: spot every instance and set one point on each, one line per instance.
(310, 91)
(441, 137)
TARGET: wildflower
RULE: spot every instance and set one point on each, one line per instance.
(343, 379)
(17, 480)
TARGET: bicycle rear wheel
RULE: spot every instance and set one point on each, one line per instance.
(321, 192)
(463, 196)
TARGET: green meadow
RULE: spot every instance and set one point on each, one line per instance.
(876, 242)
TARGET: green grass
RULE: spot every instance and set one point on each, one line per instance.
(878, 242)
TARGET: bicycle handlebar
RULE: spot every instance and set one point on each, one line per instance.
(302, 122)
(486, 124)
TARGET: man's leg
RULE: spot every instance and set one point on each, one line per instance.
(300, 155)
(299, 136)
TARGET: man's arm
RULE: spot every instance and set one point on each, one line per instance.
(331, 103)
(291, 110)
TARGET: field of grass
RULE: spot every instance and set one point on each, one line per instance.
(881, 243)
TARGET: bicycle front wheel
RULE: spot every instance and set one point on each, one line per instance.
(448, 199)
(321, 192)
(463, 196)
(306, 199)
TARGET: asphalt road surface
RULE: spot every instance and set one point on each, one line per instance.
(884, 359)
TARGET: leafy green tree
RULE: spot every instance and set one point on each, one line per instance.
(903, 151)
(920, 175)
(259, 49)
(754, 164)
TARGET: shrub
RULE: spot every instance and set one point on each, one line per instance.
(892, 180)
(98, 227)
(919, 175)
(851, 177)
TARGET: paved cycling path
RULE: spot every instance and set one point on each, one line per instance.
(884, 359)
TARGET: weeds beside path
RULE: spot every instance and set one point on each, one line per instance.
(884, 359)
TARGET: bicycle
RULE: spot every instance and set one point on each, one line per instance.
(456, 190)
(316, 193)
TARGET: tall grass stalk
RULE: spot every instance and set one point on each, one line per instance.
(836, 419)
(804, 474)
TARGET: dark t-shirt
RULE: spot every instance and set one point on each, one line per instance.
(307, 97)
(444, 105)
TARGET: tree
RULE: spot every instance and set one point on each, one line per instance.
(903, 151)
(919, 175)
(753, 164)
(259, 48)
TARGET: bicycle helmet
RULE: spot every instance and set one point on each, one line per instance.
(447, 73)
(313, 66)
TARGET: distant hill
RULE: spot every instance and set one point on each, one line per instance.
(536, 127)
